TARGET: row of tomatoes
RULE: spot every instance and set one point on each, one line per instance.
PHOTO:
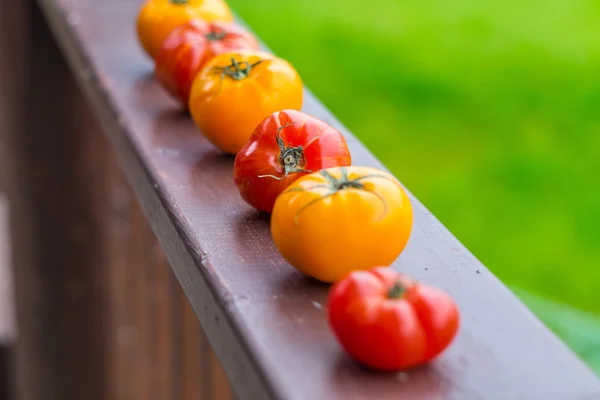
(333, 221)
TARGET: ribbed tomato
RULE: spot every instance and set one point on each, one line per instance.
(341, 219)
(285, 146)
(190, 46)
(388, 321)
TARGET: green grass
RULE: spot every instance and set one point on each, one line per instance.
(489, 112)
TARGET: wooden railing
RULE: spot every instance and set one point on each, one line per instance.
(99, 314)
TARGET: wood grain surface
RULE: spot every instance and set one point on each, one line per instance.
(265, 321)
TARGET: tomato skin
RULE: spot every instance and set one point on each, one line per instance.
(391, 334)
(188, 47)
(326, 233)
(260, 160)
(227, 103)
(157, 19)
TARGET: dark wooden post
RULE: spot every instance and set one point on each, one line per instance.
(100, 315)
(56, 240)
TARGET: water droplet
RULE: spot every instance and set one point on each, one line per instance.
(317, 305)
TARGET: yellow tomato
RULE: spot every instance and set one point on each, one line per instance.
(235, 91)
(338, 220)
(157, 18)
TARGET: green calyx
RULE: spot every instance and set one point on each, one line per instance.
(335, 185)
(215, 35)
(291, 159)
(237, 70)
(343, 182)
(397, 291)
(179, 2)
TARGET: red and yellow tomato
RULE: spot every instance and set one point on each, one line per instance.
(190, 46)
(389, 322)
(338, 220)
(285, 146)
(157, 19)
(235, 91)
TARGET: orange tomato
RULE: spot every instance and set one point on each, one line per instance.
(157, 18)
(235, 91)
(342, 219)
(188, 47)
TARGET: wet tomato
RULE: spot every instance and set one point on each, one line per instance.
(286, 145)
(235, 91)
(389, 322)
(157, 19)
(190, 46)
(338, 220)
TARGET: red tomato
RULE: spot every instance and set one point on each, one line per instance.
(285, 146)
(190, 46)
(389, 322)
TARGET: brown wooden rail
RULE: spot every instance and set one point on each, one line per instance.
(84, 274)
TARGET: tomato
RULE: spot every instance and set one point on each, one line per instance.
(190, 46)
(329, 223)
(157, 18)
(235, 91)
(389, 322)
(286, 145)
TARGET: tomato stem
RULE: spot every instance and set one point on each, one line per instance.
(397, 291)
(216, 34)
(291, 159)
(237, 70)
(179, 2)
(335, 185)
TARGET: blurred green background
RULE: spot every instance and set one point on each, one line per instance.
(489, 112)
